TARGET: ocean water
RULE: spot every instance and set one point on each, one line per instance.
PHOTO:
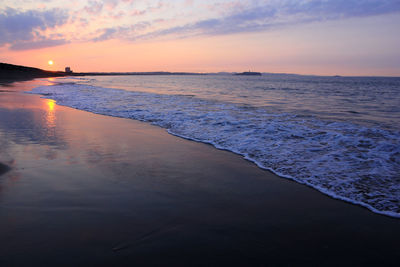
(339, 135)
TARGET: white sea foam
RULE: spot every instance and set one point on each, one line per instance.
(344, 160)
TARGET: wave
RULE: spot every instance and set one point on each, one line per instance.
(344, 160)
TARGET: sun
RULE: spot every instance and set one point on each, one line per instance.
(50, 62)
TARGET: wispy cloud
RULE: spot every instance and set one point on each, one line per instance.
(120, 32)
(100, 20)
(264, 15)
(94, 7)
(106, 34)
(18, 28)
(38, 44)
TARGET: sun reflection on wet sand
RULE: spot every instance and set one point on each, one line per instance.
(50, 113)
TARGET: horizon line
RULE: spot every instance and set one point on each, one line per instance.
(87, 73)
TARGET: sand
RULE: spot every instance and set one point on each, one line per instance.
(86, 189)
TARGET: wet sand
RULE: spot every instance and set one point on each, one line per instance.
(86, 189)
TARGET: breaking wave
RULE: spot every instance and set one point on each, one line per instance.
(344, 160)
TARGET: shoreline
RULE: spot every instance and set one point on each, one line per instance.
(295, 176)
(293, 179)
(148, 197)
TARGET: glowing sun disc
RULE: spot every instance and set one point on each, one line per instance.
(50, 62)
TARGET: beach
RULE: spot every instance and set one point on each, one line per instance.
(77, 188)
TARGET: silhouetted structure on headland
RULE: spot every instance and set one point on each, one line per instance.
(20, 73)
(12, 72)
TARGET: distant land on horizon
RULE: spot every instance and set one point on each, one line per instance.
(11, 72)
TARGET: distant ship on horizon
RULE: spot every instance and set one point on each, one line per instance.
(249, 73)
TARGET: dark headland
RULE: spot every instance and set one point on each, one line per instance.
(10, 72)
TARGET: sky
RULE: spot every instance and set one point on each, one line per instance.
(322, 37)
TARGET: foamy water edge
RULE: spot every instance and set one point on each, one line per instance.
(66, 98)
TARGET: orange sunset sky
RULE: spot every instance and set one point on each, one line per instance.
(306, 37)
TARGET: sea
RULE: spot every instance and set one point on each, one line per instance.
(339, 135)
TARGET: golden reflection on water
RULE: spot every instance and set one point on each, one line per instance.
(50, 113)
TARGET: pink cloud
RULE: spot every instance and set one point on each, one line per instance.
(94, 7)
(117, 15)
(188, 2)
(110, 4)
(137, 12)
